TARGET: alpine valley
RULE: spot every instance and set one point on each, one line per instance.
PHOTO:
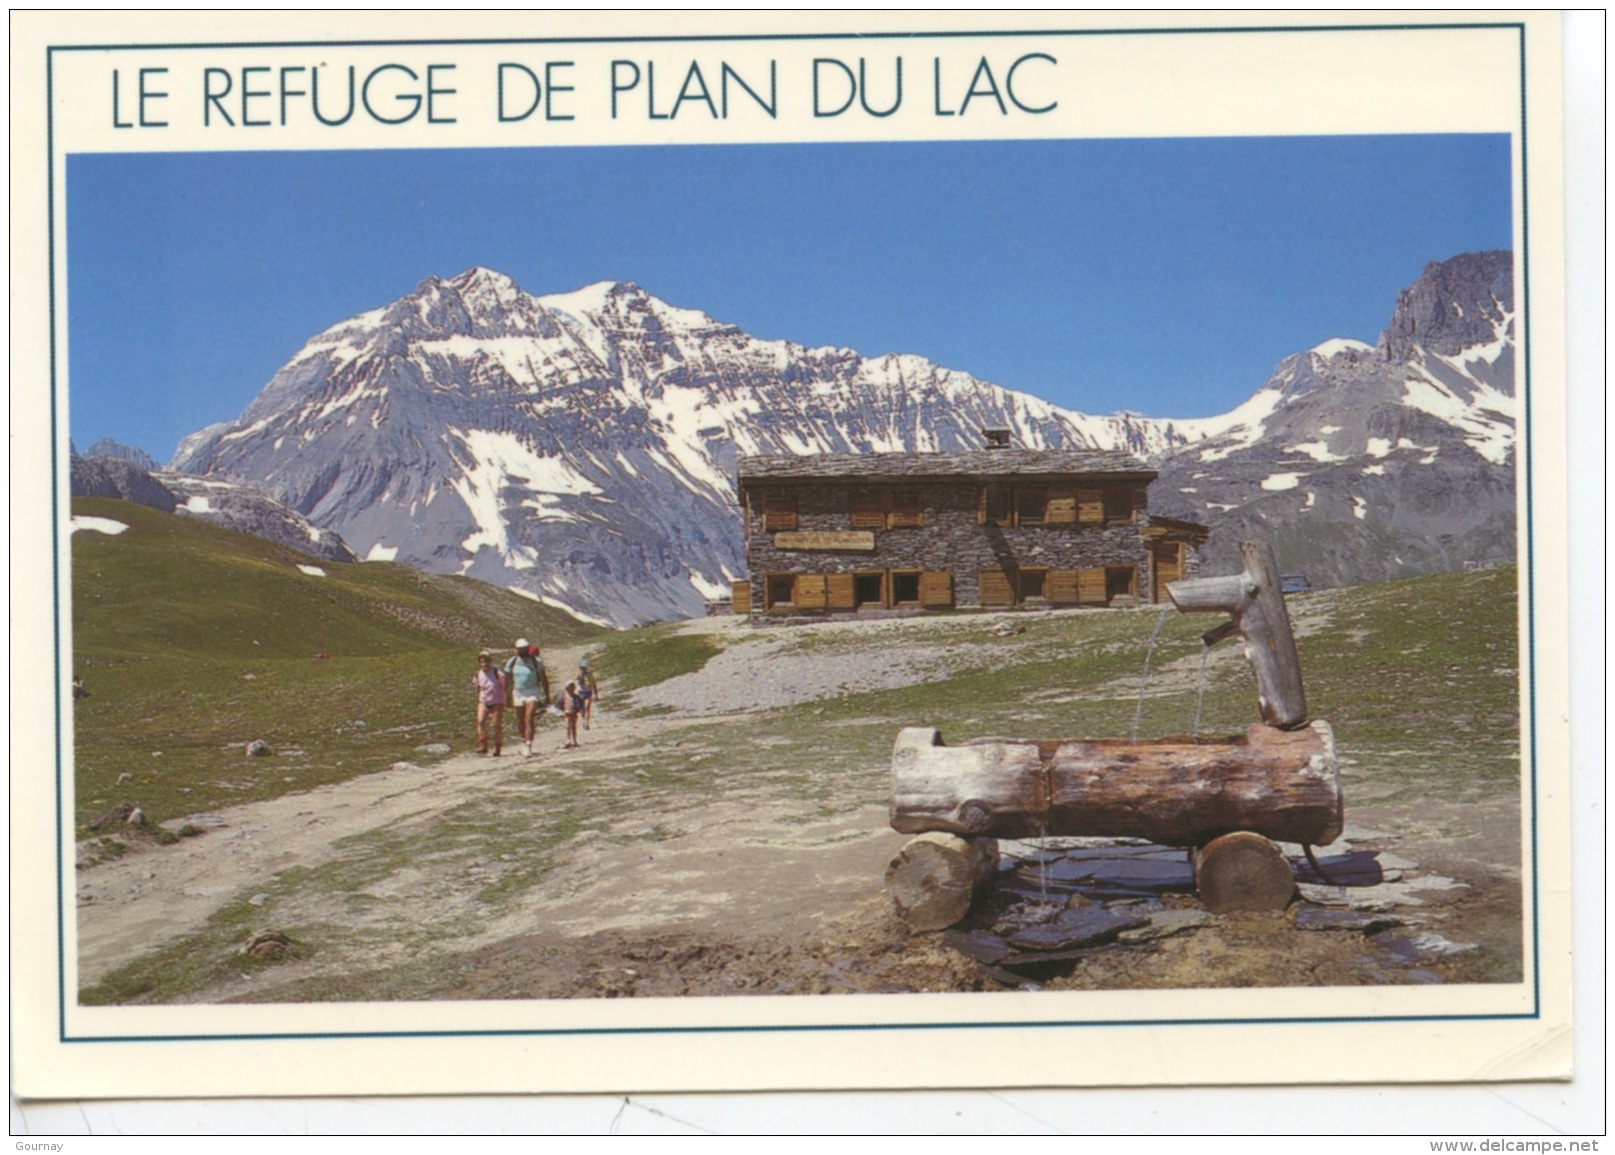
(580, 447)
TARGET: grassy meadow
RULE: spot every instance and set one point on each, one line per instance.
(195, 640)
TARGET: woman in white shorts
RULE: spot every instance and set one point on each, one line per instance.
(528, 688)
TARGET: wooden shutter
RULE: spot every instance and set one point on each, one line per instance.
(1061, 587)
(998, 590)
(868, 510)
(779, 512)
(812, 592)
(1062, 508)
(740, 597)
(1091, 587)
(906, 511)
(1118, 504)
(936, 589)
(1090, 506)
(838, 591)
(994, 506)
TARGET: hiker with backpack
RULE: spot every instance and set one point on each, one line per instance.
(528, 687)
(491, 699)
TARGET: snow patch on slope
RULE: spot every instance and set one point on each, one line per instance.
(495, 461)
(98, 524)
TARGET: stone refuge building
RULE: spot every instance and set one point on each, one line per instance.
(995, 527)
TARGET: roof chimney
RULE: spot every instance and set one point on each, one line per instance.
(997, 436)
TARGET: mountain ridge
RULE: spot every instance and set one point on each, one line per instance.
(581, 445)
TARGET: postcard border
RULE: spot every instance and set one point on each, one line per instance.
(1528, 583)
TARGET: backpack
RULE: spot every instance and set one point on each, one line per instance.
(527, 660)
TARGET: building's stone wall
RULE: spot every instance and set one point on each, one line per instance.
(951, 540)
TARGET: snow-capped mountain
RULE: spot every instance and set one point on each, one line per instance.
(580, 447)
(1363, 463)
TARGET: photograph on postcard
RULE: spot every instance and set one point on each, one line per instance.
(738, 464)
(561, 538)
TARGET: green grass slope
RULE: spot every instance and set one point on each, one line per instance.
(194, 640)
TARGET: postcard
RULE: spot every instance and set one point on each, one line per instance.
(771, 553)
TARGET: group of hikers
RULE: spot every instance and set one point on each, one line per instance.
(522, 683)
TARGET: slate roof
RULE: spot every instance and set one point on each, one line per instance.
(971, 463)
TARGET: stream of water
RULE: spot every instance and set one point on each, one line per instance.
(1200, 691)
(1143, 683)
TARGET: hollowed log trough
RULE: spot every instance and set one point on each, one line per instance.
(1284, 784)
(1224, 798)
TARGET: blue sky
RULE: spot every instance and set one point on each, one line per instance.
(1163, 276)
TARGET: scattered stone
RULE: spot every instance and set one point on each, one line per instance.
(249, 677)
(117, 816)
(156, 753)
(1357, 868)
(1363, 922)
(1031, 912)
(258, 899)
(258, 748)
(125, 777)
(203, 821)
(1407, 948)
(434, 748)
(137, 817)
(1385, 896)
(981, 945)
(1058, 870)
(1166, 923)
(1145, 872)
(397, 766)
(1077, 928)
(1005, 978)
(1077, 901)
(269, 944)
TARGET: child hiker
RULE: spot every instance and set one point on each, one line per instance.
(571, 706)
(490, 704)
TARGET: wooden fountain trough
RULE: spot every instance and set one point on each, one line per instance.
(1227, 799)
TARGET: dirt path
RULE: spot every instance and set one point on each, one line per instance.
(718, 876)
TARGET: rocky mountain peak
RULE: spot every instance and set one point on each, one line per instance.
(107, 447)
(1454, 305)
